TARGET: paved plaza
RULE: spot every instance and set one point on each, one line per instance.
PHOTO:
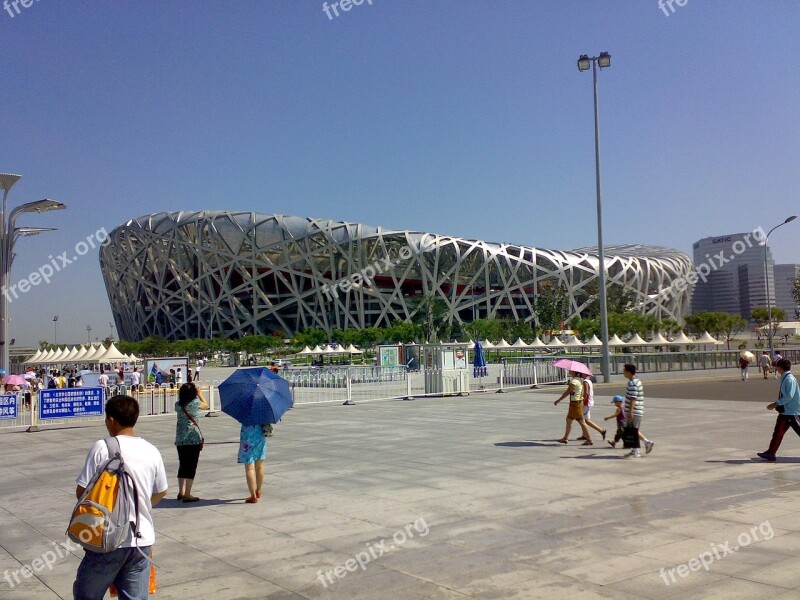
(446, 498)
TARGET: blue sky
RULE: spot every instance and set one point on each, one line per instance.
(467, 118)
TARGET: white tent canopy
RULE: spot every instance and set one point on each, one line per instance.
(112, 354)
(574, 342)
(44, 357)
(615, 341)
(707, 339)
(487, 344)
(502, 344)
(538, 343)
(681, 338)
(594, 341)
(520, 343)
(72, 354)
(636, 340)
(659, 340)
(353, 350)
(555, 343)
(81, 353)
(89, 356)
(34, 358)
(60, 355)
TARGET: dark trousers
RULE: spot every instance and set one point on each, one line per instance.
(188, 457)
(782, 425)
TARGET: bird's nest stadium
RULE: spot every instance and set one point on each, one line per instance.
(200, 274)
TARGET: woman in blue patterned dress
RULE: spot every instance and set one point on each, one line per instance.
(188, 438)
(252, 452)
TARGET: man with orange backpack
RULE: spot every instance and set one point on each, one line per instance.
(142, 482)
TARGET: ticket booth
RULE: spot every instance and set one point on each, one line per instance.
(446, 368)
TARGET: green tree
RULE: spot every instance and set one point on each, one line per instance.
(154, 346)
(254, 344)
(718, 324)
(401, 332)
(761, 317)
(309, 337)
(551, 307)
(796, 296)
(429, 312)
(619, 299)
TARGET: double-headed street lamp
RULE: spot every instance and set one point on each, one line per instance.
(584, 62)
(8, 236)
(766, 285)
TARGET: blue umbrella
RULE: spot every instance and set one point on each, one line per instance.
(479, 363)
(255, 396)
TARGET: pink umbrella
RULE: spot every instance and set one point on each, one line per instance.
(572, 365)
(14, 380)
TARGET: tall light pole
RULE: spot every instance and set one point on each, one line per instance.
(88, 334)
(8, 236)
(603, 61)
(55, 330)
(766, 285)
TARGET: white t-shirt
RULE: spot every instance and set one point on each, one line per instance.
(179, 377)
(145, 462)
(589, 400)
(136, 377)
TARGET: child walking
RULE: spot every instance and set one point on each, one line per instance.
(620, 416)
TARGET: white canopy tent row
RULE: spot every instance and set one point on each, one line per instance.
(85, 355)
(351, 349)
(681, 339)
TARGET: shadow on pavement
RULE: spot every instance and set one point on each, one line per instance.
(755, 459)
(173, 503)
(549, 444)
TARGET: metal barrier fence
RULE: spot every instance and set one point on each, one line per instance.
(153, 401)
(361, 383)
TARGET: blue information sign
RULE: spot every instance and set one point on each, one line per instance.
(8, 407)
(71, 402)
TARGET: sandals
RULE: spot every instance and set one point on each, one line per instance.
(188, 498)
(251, 500)
(562, 441)
(605, 431)
(588, 443)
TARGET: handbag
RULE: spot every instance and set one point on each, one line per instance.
(191, 418)
(630, 436)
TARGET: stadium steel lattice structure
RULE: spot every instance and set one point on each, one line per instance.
(199, 274)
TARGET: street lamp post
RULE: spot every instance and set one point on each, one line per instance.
(603, 61)
(766, 285)
(8, 236)
(55, 330)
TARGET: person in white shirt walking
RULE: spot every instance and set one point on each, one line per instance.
(588, 403)
(634, 408)
(127, 567)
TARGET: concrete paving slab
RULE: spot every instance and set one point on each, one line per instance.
(509, 513)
